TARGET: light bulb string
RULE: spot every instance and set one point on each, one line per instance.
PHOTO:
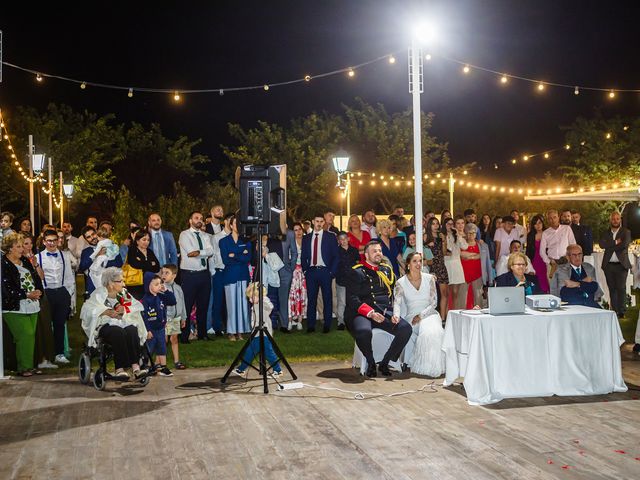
(538, 81)
(203, 90)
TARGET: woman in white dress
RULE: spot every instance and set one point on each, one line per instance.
(455, 243)
(415, 300)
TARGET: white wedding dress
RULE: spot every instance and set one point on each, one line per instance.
(426, 357)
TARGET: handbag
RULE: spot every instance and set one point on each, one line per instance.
(132, 277)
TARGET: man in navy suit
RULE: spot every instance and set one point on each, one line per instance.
(162, 243)
(319, 258)
(574, 282)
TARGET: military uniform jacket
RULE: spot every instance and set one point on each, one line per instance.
(369, 288)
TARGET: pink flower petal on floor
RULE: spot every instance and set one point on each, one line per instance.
(620, 451)
(566, 467)
(550, 462)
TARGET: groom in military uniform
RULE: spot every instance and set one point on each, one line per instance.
(370, 305)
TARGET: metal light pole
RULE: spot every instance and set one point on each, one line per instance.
(31, 204)
(451, 188)
(341, 166)
(416, 88)
(61, 197)
(51, 195)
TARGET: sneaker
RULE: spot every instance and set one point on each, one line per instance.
(47, 364)
(299, 325)
(165, 372)
(211, 331)
(239, 372)
(140, 373)
(60, 358)
(121, 376)
(277, 374)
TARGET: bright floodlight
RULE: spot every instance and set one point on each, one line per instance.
(425, 33)
(37, 162)
(341, 161)
(68, 189)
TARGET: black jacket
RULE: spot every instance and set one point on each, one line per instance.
(609, 244)
(369, 289)
(584, 238)
(12, 291)
(347, 259)
(509, 280)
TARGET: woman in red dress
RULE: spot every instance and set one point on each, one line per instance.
(471, 264)
(357, 238)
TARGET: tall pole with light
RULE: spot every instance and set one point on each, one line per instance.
(341, 166)
(51, 193)
(36, 165)
(68, 192)
(416, 88)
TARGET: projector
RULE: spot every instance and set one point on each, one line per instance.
(542, 301)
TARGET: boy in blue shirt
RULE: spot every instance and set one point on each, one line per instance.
(155, 302)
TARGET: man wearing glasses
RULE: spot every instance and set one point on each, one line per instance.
(59, 287)
(574, 281)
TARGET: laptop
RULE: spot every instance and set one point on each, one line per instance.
(506, 300)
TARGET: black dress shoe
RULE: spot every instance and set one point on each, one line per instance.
(636, 348)
(326, 329)
(341, 326)
(383, 368)
(185, 342)
(219, 334)
(311, 330)
(371, 370)
(284, 330)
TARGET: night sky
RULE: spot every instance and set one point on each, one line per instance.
(232, 43)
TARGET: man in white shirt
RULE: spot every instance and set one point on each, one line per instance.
(195, 249)
(521, 229)
(215, 318)
(369, 223)
(74, 243)
(59, 287)
(504, 236)
(554, 242)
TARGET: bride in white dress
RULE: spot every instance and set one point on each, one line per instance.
(415, 300)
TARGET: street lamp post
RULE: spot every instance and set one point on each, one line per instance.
(68, 192)
(416, 88)
(341, 166)
(36, 165)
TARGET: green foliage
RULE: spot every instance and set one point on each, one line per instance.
(375, 139)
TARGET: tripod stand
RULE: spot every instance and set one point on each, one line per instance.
(261, 332)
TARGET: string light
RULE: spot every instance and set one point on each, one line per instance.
(608, 135)
(466, 69)
(546, 155)
(130, 93)
(351, 73)
(38, 77)
(540, 87)
(83, 85)
(612, 94)
(266, 88)
(392, 59)
(307, 78)
(576, 91)
(427, 56)
(567, 147)
(504, 79)
(176, 96)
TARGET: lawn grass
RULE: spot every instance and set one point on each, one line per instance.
(297, 346)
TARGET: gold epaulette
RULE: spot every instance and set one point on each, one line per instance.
(357, 265)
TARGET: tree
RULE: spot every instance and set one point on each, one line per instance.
(375, 139)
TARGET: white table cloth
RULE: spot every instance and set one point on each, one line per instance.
(575, 351)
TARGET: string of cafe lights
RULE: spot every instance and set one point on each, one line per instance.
(503, 78)
(38, 178)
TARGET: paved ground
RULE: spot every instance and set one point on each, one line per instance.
(190, 426)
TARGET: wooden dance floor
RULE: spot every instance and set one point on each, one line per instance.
(189, 427)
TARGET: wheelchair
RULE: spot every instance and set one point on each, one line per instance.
(102, 351)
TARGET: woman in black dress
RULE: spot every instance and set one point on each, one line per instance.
(141, 257)
(437, 242)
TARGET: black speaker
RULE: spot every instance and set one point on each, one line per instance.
(263, 197)
(631, 219)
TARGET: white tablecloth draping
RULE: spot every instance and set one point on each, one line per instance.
(574, 351)
(634, 278)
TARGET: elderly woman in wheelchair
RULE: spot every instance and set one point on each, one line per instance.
(112, 316)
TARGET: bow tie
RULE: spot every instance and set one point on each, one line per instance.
(49, 254)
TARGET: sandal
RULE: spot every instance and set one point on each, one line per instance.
(25, 373)
(179, 366)
(35, 371)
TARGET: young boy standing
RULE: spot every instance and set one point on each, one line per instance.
(176, 314)
(155, 302)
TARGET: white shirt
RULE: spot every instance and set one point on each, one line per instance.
(371, 229)
(614, 257)
(554, 243)
(188, 242)
(216, 258)
(55, 267)
(505, 239)
(522, 233)
(216, 227)
(320, 260)
(75, 246)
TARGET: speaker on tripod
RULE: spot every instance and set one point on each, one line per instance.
(263, 197)
(263, 205)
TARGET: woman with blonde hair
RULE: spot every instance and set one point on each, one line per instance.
(516, 277)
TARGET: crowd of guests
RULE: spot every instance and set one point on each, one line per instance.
(151, 289)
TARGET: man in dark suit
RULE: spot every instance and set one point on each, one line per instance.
(615, 262)
(583, 233)
(574, 282)
(319, 258)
